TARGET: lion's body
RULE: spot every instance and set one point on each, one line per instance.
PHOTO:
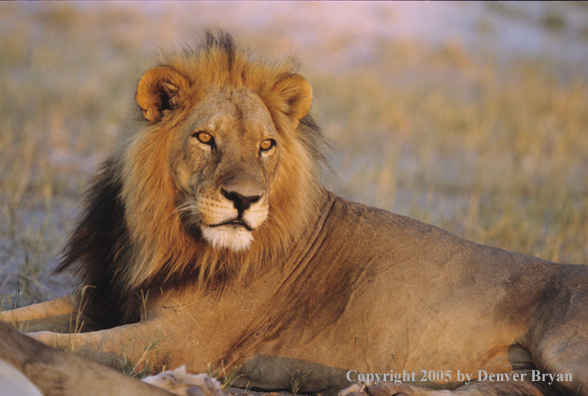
(311, 283)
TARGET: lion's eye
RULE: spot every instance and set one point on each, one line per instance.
(203, 137)
(267, 144)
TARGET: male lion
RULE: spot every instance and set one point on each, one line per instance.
(209, 234)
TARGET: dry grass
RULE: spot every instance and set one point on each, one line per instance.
(493, 149)
(495, 153)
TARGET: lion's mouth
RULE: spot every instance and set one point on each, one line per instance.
(234, 222)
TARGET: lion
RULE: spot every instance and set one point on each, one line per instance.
(208, 234)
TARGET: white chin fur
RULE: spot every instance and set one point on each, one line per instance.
(234, 238)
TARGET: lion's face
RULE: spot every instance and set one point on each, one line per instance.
(224, 165)
(231, 149)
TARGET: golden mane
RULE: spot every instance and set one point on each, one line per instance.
(131, 236)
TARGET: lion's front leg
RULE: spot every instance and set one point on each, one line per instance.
(55, 315)
(137, 345)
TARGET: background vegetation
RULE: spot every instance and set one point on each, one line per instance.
(490, 143)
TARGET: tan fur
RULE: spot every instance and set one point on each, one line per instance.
(327, 286)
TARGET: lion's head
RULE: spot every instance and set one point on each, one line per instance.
(221, 174)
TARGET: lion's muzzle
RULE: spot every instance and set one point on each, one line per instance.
(238, 208)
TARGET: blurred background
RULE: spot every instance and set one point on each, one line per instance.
(472, 116)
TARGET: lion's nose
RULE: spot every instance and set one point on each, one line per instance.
(241, 202)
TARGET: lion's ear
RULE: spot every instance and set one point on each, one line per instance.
(158, 90)
(295, 94)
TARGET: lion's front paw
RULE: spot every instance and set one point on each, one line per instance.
(390, 389)
(180, 383)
